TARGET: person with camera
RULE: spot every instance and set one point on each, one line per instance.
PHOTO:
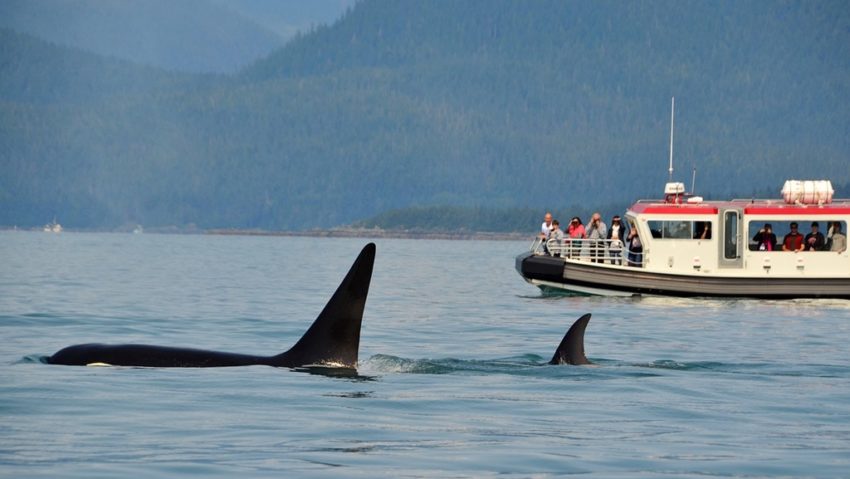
(765, 239)
(576, 232)
(597, 231)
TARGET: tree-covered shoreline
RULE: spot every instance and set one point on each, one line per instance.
(499, 104)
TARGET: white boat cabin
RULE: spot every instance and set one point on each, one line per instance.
(686, 235)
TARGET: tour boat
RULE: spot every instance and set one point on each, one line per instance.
(692, 247)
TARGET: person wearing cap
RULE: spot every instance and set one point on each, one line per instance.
(616, 239)
(815, 240)
(765, 239)
(793, 241)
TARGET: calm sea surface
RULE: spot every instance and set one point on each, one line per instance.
(451, 362)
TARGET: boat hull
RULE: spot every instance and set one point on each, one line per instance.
(592, 278)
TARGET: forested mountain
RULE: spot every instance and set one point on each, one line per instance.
(493, 104)
(36, 72)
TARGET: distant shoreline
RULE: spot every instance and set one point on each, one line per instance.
(315, 233)
(380, 233)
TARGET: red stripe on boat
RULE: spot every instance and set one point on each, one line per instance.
(797, 210)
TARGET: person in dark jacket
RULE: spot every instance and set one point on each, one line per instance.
(617, 235)
(635, 248)
(765, 239)
(815, 240)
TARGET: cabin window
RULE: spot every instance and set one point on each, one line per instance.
(833, 234)
(680, 229)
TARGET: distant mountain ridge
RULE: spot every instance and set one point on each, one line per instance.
(38, 72)
(495, 104)
(199, 36)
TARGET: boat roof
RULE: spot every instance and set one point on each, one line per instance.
(749, 206)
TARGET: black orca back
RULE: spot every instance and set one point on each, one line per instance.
(144, 355)
(333, 339)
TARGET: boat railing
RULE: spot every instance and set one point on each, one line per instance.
(612, 252)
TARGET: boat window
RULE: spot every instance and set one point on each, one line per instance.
(833, 233)
(702, 229)
(730, 239)
(680, 229)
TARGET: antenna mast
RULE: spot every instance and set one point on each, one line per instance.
(672, 110)
(694, 181)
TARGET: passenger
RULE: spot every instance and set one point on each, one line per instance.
(793, 241)
(837, 241)
(815, 240)
(635, 248)
(765, 239)
(546, 227)
(616, 239)
(597, 231)
(557, 235)
(576, 233)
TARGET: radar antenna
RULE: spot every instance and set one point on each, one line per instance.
(672, 111)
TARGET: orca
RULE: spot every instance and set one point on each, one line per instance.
(571, 349)
(332, 340)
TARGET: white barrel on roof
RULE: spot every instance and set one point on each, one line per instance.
(808, 192)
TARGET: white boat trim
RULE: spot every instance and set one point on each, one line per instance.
(580, 289)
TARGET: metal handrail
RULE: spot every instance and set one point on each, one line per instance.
(585, 249)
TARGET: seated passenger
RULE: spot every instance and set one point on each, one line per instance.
(793, 241)
(765, 239)
(837, 240)
(815, 240)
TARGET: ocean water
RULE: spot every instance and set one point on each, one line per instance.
(452, 380)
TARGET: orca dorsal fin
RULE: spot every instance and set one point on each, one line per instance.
(571, 349)
(334, 337)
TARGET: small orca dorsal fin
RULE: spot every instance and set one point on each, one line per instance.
(571, 349)
(334, 337)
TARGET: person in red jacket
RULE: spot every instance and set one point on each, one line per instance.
(793, 241)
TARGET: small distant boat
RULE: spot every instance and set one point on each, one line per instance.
(53, 227)
(138, 230)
